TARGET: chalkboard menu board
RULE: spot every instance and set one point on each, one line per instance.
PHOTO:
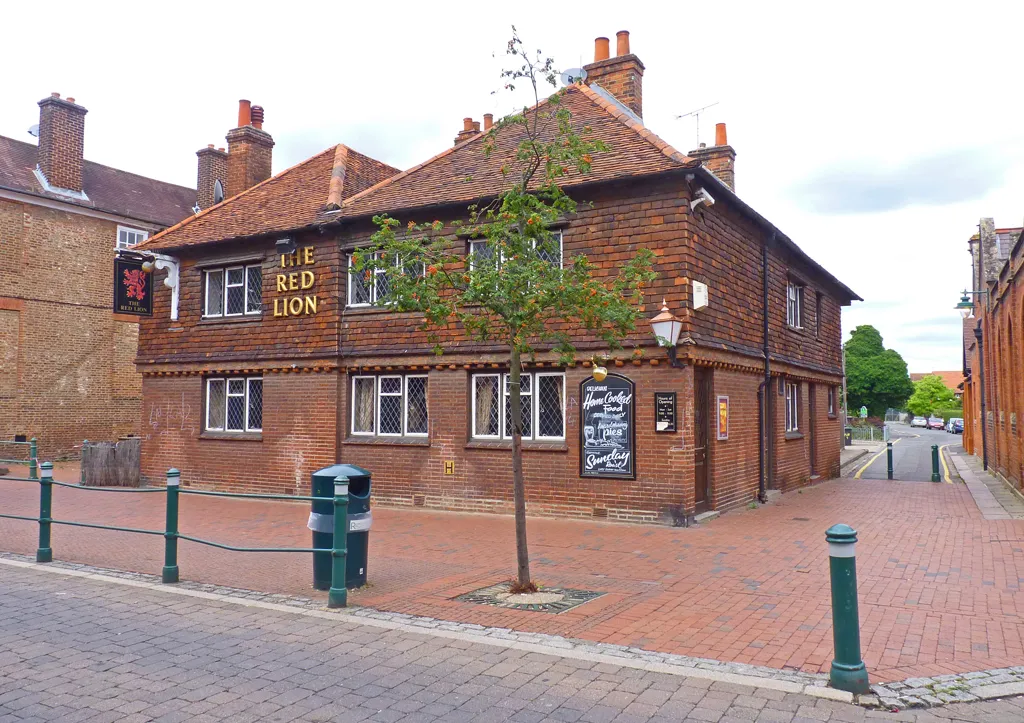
(664, 411)
(607, 429)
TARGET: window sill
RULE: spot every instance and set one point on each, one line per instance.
(832, 416)
(529, 445)
(250, 319)
(399, 441)
(797, 329)
(794, 435)
(234, 436)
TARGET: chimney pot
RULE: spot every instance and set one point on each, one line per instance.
(622, 42)
(467, 124)
(476, 126)
(70, 99)
(209, 145)
(488, 121)
(257, 116)
(244, 113)
(703, 145)
(55, 95)
(221, 150)
(720, 137)
(600, 49)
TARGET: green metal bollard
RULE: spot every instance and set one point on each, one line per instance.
(935, 463)
(45, 552)
(337, 597)
(170, 571)
(848, 672)
(888, 453)
(81, 465)
(33, 457)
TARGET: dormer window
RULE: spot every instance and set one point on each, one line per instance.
(218, 191)
(128, 237)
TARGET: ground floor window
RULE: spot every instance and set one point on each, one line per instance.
(831, 401)
(542, 402)
(390, 405)
(792, 407)
(234, 404)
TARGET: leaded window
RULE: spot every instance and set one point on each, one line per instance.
(234, 404)
(542, 406)
(390, 405)
(233, 291)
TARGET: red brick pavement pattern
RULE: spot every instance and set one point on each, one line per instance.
(939, 586)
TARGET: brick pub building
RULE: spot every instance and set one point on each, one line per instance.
(67, 363)
(284, 363)
(994, 332)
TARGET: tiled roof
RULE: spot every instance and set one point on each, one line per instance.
(465, 173)
(951, 379)
(109, 189)
(292, 199)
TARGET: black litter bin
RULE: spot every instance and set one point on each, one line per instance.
(321, 522)
(848, 436)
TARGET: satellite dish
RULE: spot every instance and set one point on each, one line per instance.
(573, 76)
(34, 131)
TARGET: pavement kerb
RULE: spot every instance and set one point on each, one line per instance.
(816, 689)
(853, 458)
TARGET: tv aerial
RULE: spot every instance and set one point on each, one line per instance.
(573, 76)
(696, 116)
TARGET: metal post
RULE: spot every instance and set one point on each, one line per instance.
(848, 672)
(170, 571)
(337, 597)
(45, 552)
(33, 456)
(935, 463)
(81, 465)
(888, 454)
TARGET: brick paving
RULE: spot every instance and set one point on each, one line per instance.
(939, 585)
(75, 649)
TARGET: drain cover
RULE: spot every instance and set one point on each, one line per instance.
(550, 600)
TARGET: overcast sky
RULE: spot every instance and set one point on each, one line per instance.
(874, 134)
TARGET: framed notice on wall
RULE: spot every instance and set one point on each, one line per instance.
(133, 292)
(664, 411)
(723, 417)
(607, 429)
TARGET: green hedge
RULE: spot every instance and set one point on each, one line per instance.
(945, 414)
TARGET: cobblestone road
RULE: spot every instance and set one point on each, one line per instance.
(74, 649)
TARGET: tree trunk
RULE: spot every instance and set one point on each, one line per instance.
(518, 487)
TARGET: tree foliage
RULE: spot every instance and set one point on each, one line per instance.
(930, 394)
(514, 288)
(876, 377)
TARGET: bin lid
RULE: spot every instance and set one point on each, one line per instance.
(342, 470)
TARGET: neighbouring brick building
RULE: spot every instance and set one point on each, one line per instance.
(953, 379)
(994, 358)
(279, 364)
(67, 363)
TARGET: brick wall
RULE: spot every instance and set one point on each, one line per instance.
(67, 363)
(61, 142)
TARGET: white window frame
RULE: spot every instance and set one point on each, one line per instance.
(246, 381)
(224, 292)
(374, 301)
(792, 407)
(377, 394)
(503, 394)
(140, 235)
(831, 401)
(483, 242)
(794, 305)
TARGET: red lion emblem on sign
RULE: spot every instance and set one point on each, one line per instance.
(135, 282)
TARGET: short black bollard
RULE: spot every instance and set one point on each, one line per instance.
(888, 452)
(45, 552)
(848, 672)
(935, 463)
(170, 571)
(337, 596)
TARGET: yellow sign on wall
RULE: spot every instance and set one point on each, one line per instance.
(299, 304)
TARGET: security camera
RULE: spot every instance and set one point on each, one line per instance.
(702, 196)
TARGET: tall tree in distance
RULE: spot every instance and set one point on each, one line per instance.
(876, 377)
(514, 288)
(931, 393)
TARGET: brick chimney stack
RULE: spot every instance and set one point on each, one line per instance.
(720, 159)
(213, 168)
(249, 151)
(622, 76)
(470, 128)
(61, 142)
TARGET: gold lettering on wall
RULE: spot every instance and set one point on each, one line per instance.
(296, 281)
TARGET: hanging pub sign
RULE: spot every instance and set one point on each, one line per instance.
(607, 430)
(664, 411)
(133, 290)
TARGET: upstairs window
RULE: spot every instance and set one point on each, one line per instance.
(481, 253)
(371, 286)
(795, 305)
(129, 237)
(234, 404)
(792, 407)
(233, 291)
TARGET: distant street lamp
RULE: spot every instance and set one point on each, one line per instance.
(966, 306)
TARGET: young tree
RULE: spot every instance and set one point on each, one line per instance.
(876, 377)
(514, 288)
(930, 393)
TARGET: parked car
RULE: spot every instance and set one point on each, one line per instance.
(935, 423)
(919, 422)
(956, 425)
